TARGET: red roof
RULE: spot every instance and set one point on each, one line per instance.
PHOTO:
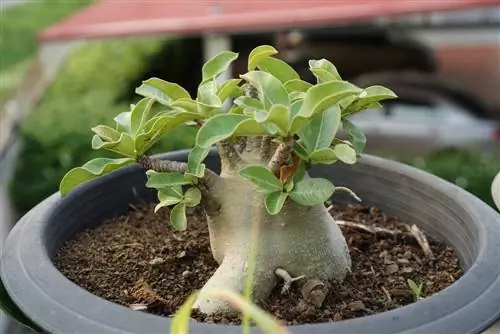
(108, 18)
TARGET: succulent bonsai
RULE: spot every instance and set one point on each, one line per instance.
(269, 127)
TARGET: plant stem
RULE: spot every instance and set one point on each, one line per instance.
(281, 155)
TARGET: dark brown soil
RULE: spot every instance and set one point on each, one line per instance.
(138, 259)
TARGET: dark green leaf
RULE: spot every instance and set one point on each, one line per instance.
(258, 54)
(217, 65)
(262, 177)
(357, 136)
(90, 170)
(162, 91)
(274, 202)
(320, 131)
(161, 180)
(312, 191)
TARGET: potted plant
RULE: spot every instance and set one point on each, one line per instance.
(277, 160)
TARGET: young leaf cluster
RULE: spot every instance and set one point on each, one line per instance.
(285, 108)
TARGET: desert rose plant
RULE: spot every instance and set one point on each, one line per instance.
(269, 127)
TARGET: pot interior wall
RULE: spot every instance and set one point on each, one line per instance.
(391, 191)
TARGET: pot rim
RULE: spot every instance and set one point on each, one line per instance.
(45, 295)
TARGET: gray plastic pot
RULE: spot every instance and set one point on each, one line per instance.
(443, 210)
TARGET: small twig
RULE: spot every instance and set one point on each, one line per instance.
(350, 192)
(387, 294)
(162, 166)
(287, 278)
(422, 240)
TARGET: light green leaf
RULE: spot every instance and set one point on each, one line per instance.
(159, 126)
(278, 115)
(262, 177)
(89, 171)
(258, 54)
(274, 202)
(207, 98)
(124, 145)
(236, 110)
(301, 151)
(182, 317)
(178, 217)
(195, 158)
(184, 105)
(220, 127)
(107, 133)
(161, 180)
(279, 69)
(248, 102)
(297, 85)
(228, 89)
(325, 95)
(324, 70)
(166, 199)
(192, 197)
(357, 136)
(369, 98)
(162, 91)
(271, 90)
(325, 156)
(294, 96)
(321, 130)
(312, 191)
(122, 121)
(345, 153)
(140, 114)
(217, 65)
(174, 191)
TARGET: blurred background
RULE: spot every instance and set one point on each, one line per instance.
(68, 65)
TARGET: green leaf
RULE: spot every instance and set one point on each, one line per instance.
(301, 151)
(258, 54)
(140, 114)
(228, 89)
(369, 98)
(297, 85)
(159, 126)
(274, 201)
(358, 138)
(207, 98)
(122, 121)
(182, 317)
(184, 105)
(262, 177)
(195, 158)
(161, 180)
(345, 153)
(178, 217)
(107, 133)
(192, 197)
(124, 145)
(166, 199)
(325, 95)
(162, 91)
(325, 156)
(312, 191)
(321, 130)
(294, 96)
(271, 90)
(10, 308)
(90, 170)
(217, 65)
(324, 70)
(278, 115)
(279, 69)
(249, 102)
(220, 127)
(299, 173)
